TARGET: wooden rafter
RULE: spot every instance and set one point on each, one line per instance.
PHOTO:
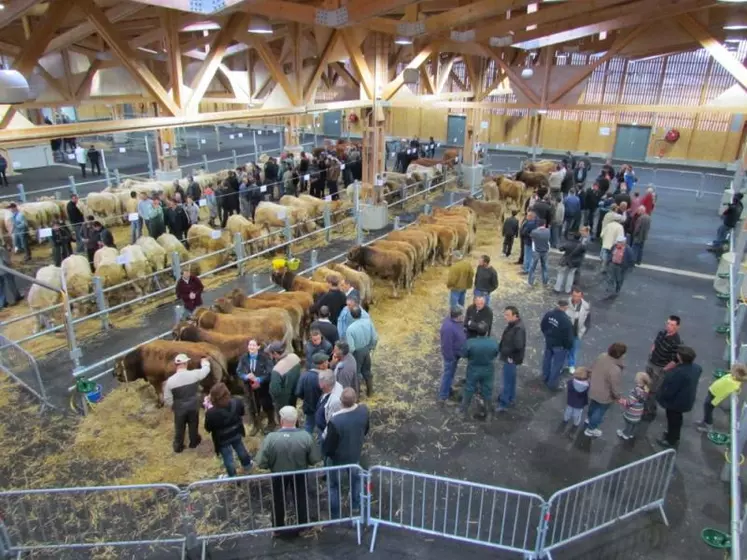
(170, 23)
(321, 66)
(15, 10)
(271, 62)
(471, 64)
(346, 76)
(54, 83)
(457, 80)
(126, 56)
(515, 80)
(237, 22)
(714, 48)
(622, 41)
(393, 87)
(427, 81)
(470, 13)
(443, 73)
(307, 13)
(43, 34)
(298, 58)
(358, 61)
(361, 10)
(85, 86)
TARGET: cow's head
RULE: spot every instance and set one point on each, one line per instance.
(355, 256)
(128, 367)
(222, 305)
(186, 331)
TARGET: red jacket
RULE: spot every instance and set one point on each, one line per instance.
(648, 202)
(183, 289)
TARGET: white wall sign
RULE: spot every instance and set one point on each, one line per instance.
(16, 165)
(123, 259)
(456, 159)
(122, 150)
(133, 216)
(438, 144)
(45, 232)
(202, 140)
(263, 188)
(241, 134)
(484, 125)
(604, 131)
(215, 234)
(231, 136)
(259, 132)
(202, 202)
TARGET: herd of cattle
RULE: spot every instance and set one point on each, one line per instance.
(214, 332)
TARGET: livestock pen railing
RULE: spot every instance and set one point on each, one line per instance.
(164, 515)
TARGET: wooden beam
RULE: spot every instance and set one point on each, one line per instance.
(714, 48)
(126, 56)
(321, 66)
(271, 62)
(347, 77)
(443, 73)
(394, 86)
(427, 81)
(84, 88)
(458, 81)
(56, 85)
(238, 22)
(67, 71)
(82, 30)
(307, 13)
(170, 23)
(471, 64)
(361, 10)
(476, 11)
(298, 58)
(34, 47)
(358, 62)
(515, 80)
(623, 41)
(14, 10)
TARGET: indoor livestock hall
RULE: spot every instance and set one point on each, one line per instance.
(405, 279)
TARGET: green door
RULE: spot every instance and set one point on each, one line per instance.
(631, 143)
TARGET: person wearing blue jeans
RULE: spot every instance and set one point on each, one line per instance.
(729, 218)
(459, 279)
(452, 339)
(486, 279)
(579, 312)
(557, 329)
(540, 237)
(308, 389)
(512, 347)
(223, 420)
(530, 224)
(541, 259)
(605, 386)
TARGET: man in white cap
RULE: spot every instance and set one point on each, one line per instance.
(621, 260)
(286, 450)
(181, 393)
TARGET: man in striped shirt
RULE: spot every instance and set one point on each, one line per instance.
(663, 357)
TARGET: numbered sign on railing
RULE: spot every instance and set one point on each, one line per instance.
(202, 141)
(342, 167)
(328, 198)
(231, 136)
(241, 135)
(281, 214)
(259, 132)
(307, 177)
(215, 234)
(133, 216)
(456, 159)
(202, 202)
(45, 232)
(263, 188)
(122, 150)
(123, 259)
(71, 157)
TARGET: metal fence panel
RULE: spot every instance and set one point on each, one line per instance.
(454, 509)
(22, 367)
(70, 518)
(594, 504)
(248, 505)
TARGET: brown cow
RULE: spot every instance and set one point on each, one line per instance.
(422, 241)
(511, 190)
(533, 179)
(293, 282)
(485, 209)
(224, 305)
(294, 310)
(406, 249)
(294, 302)
(357, 279)
(465, 233)
(490, 191)
(388, 265)
(545, 166)
(446, 236)
(277, 328)
(154, 362)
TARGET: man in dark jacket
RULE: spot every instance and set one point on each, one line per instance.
(558, 332)
(189, 290)
(568, 182)
(255, 368)
(193, 189)
(510, 231)
(572, 259)
(486, 279)
(513, 344)
(677, 393)
(543, 211)
(730, 217)
(589, 203)
(480, 353)
(76, 220)
(343, 445)
(308, 389)
(94, 156)
(525, 234)
(176, 220)
(641, 227)
(452, 339)
(334, 299)
(572, 219)
(315, 345)
(325, 326)
(477, 313)
(90, 237)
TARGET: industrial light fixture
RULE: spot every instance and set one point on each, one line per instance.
(2, 6)
(14, 88)
(732, 40)
(527, 73)
(733, 1)
(201, 26)
(735, 27)
(259, 24)
(402, 40)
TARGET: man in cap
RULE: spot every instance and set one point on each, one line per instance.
(286, 450)
(621, 260)
(334, 299)
(181, 393)
(284, 376)
(346, 432)
(308, 389)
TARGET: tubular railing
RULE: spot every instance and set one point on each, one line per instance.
(163, 515)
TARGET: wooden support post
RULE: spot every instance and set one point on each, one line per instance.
(470, 133)
(171, 25)
(165, 146)
(374, 125)
(293, 131)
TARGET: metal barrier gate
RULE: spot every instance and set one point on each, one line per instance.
(463, 511)
(21, 366)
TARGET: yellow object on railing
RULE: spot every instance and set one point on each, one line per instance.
(277, 264)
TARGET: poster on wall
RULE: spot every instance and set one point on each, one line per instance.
(604, 131)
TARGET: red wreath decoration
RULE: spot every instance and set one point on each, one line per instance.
(353, 118)
(672, 136)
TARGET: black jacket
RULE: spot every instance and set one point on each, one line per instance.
(621, 197)
(346, 432)
(543, 211)
(573, 254)
(106, 237)
(732, 214)
(557, 328)
(568, 181)
(486, 279)
(514, 342)
(511, 227)
(193, 191)
(474, 316)
(224, 423)
(679, 387)
(590, 199)
(308, 391)
(74, 214)
(328, 330)
(334, 300)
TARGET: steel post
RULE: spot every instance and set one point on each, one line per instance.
(327, 223)
(176, 265)
(117, 179)
(21, 192)
(205, 162)
(396, 223)
(151, 172)
(235, 159)
(217, 138)
(98, 290)
(238, 249)
(314, 259)
(255, 283)
(288, 237)
(73, 187)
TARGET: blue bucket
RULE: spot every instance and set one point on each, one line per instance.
(95, 396)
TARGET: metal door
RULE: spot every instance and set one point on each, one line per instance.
(455, 127)
(332, 123)
(631, 143)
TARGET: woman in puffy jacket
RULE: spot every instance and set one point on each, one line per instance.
(223, 421)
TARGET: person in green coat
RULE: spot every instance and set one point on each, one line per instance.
(156, 222)
(284, 376)
(481, 353)
(460, 278)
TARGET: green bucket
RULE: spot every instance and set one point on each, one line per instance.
(719, 373)
(715, 538)
(719, 438)
(724, 296)
(723, 329)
